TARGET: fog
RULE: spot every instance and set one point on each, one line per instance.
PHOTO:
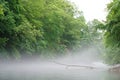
(63, 68)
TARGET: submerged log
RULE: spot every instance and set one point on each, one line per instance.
(114, 69)
(70, 65)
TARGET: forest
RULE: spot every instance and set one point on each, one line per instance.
(53, 28)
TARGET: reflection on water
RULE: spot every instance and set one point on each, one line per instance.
(51, 71)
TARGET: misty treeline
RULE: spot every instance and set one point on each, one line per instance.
(55, 27)
(39, 27)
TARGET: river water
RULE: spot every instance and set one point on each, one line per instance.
(52, 71)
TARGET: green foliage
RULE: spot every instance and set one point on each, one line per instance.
(39, 27)
(1, 10)
(92, 33)
(48, 28)
(112, 37)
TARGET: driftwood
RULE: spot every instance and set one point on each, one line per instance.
(69, 65)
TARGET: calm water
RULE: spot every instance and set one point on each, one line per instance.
(52, 71)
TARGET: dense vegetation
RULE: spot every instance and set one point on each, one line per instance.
(55, 27)
(35, 27)
(112, 37)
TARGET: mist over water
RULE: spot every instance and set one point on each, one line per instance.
(57, 69)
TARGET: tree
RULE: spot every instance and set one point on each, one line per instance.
(112, 37)
(37, 27)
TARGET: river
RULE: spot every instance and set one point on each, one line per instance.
(52, 71)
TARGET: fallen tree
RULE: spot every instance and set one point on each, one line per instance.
(71, 65)
(111, 69)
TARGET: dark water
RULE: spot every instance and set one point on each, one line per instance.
(51, 71)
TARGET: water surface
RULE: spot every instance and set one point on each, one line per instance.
(52, 71)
